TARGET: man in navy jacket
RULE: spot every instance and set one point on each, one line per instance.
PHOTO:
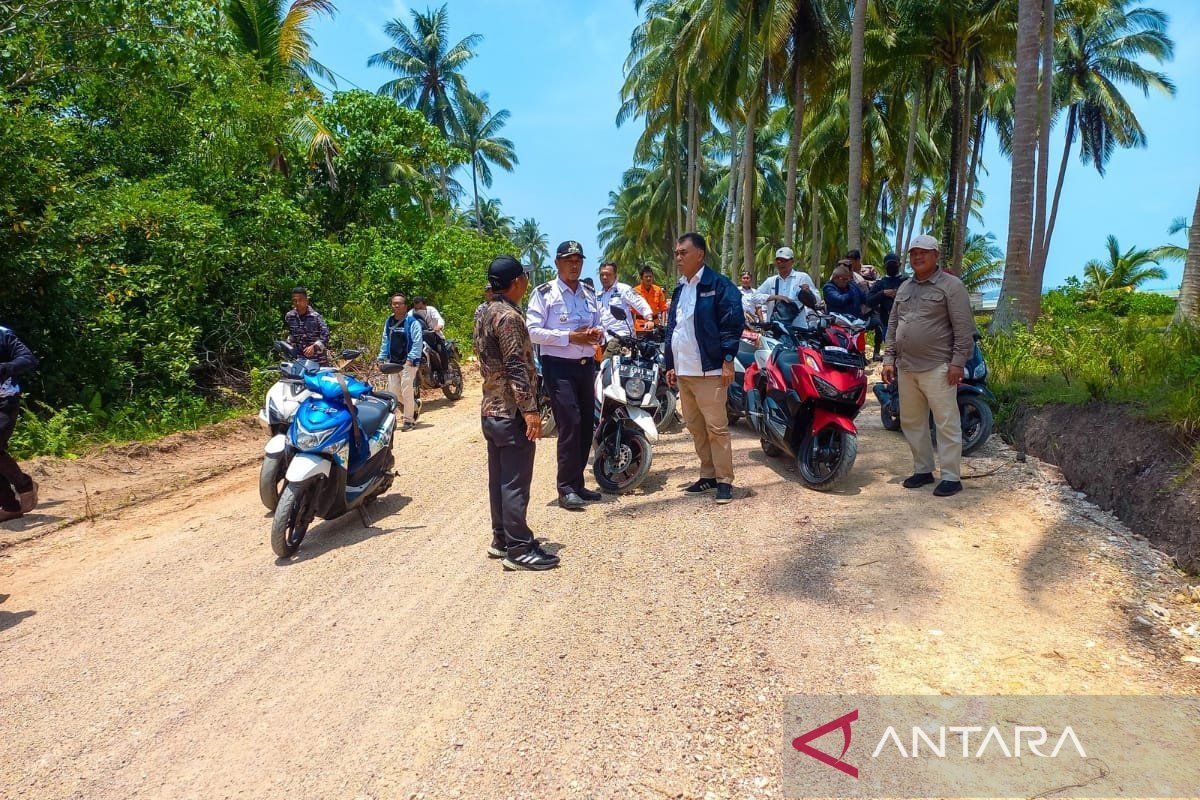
(18, 491)
(703, 330)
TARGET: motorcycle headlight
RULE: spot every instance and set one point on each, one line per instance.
(825, 388)
(635, 388)
(980, 372)
(309, 441)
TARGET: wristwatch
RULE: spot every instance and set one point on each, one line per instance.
(728, 358)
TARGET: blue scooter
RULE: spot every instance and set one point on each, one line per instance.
(973, 403)
(340, 447)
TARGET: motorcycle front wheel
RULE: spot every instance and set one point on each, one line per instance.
(620, 469)
(453, 387)
(826, 456)
(666, 416)
(270, 481)
(890, 420)
(547, 411)
(293, 515)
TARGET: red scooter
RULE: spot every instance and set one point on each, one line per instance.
(802, 398)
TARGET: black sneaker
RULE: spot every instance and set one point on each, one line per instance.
(947, 488)
(530, 558)
(917, 480)
(408, 426)
(571, 502)
(724, 493)
(589, 495)
(499, 548)
(702, 486)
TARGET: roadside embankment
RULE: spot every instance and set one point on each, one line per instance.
(1139, 470)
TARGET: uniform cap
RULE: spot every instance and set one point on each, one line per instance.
(569, 248)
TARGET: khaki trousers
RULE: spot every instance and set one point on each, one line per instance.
(402, 384)
(702, 400)
(920, 394)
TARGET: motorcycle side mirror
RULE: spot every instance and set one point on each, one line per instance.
(349, 355)
(286, 350)
(617, 311)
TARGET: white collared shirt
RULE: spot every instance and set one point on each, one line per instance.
(789, 287)
(554, 311)
(684, 346)
(432, 317)
(621, 294)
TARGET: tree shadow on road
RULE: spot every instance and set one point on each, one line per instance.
(348, 530)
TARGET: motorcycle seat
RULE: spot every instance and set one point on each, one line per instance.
(371, 414)
(387, 397)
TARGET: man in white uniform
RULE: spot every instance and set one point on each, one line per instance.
(621, 294)
(783, 291)
(564, 321)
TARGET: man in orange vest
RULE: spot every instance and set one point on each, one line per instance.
(654, 295)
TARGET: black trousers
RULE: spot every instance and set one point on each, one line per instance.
(12, 480)
(510, 471)
(572, 386)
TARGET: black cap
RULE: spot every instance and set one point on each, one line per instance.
(569, 248)
(503, 271)
(891, 258)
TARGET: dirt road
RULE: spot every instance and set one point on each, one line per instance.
(161, 651)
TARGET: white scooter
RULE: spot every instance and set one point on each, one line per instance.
(279, 408)
(625, 405)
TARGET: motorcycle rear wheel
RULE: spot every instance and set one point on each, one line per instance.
(453, 387)
(623, 471)
(890, 421)
(826, 456)
(293, 515)
(976, 417)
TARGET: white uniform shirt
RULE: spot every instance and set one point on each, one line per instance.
(554, 311)
(751, 300)
(621, 294)
(789, 287)
(432, 318)
(685, 348)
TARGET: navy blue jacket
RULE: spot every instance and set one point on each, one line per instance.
(849, 302)
(719, 320)
(15, 359)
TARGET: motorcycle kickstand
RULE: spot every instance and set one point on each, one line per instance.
(366, 519)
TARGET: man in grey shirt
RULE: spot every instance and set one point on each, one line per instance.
(930, 338)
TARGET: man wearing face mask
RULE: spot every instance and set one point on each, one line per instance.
(883, 293)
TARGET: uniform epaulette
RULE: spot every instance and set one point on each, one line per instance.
(544, 288)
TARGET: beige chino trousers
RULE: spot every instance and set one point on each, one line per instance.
(920, 394)
(702, 402)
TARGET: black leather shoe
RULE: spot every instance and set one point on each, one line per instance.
(917, 480)
(529, 558)
(499, 548)
(702, 486)
(724, 493)
(571, 502)
(589, 495)
(947, 488)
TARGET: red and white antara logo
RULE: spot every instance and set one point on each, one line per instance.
(801, 743)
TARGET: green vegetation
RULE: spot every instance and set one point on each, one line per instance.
(1118, 349)
(169, 170)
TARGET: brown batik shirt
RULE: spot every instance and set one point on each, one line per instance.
(505, 360)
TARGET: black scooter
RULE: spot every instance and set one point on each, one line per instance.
(974, 398)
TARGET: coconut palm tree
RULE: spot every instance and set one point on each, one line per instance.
(532, 244)
(1173, 252)
(1098, 51)
(491, 220)
(1188, 309)
(430, 68)
(476, 132)
(279, 40)
(1122, 271)
(982, 264)
(854, 180)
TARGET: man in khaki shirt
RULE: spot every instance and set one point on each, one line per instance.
(930, 338)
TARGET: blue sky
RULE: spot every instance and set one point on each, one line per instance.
(557, 66)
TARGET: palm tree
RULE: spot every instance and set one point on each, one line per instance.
(982, 264)
(1098, 51)
(1020, 294)
(430, 68)
(1188, 309)
(854, 180)
(1173, 252)
(1123, 271)
(279, 40)
(532, 243)
(491, 220)
(476, 133)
